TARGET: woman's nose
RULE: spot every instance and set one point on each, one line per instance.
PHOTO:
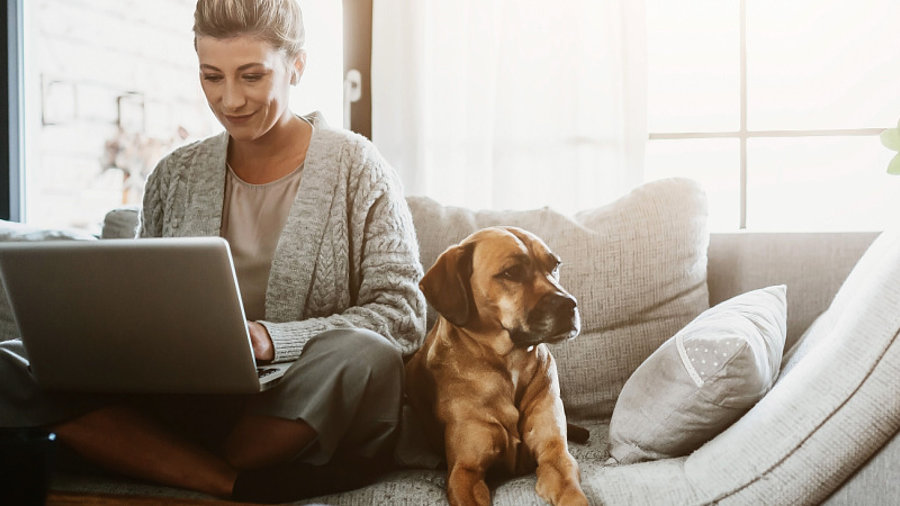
(233, 97)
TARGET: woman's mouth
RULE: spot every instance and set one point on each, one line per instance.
(238, 119)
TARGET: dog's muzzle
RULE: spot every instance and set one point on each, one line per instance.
(553, 319)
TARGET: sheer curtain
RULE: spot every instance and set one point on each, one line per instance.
(511, 104)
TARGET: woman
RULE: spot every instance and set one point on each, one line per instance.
(327, 261)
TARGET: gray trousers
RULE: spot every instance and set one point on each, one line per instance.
(347, 385)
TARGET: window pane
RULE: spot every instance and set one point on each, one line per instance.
(820, 183)
(693, 66)
(714, 163)
(94, 65)
(823, 65)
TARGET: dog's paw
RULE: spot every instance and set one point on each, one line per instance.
(570, 495)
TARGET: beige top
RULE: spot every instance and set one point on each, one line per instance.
(253, 216)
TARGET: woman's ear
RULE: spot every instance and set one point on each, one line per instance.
(299, 65)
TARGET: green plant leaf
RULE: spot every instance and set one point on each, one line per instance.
(894, 167)
(891, 138)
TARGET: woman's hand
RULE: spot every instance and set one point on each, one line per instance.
(263, 349)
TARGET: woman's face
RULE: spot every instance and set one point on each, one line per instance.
(247, 83)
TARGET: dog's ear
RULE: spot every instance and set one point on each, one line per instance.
(446, 284)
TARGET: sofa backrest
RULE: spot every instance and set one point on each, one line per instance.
(640, 259)
(812, 265)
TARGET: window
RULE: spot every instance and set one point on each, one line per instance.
(776, 108)
(111, 86)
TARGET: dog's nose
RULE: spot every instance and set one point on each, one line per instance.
(559, 303)
(560, 310)
(554, 318)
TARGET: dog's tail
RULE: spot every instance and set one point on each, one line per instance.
(577, 433)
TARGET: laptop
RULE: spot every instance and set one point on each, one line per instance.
(160, 315)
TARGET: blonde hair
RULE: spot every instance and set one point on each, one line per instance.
(278, 22)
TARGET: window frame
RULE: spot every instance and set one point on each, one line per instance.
(358, 56)
(743, 134)
(11, 184)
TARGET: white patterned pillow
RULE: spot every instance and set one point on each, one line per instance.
(702, 379)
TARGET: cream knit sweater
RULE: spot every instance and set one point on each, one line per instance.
(347, 256)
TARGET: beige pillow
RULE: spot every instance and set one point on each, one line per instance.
(702, 379)
(637, 267)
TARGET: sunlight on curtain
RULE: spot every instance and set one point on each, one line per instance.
(511, 104)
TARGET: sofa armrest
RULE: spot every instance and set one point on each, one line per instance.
(874, 482)
(812, 265)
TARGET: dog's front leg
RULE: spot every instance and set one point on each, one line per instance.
(558, 479)
(466, 486)
(544, 433)
(471, 449)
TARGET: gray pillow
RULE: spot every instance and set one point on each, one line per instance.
(702, 379)
(121, 223)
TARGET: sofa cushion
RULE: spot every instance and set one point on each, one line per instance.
(637, 267)
(121, 223)
(11, 231)
(18, 232)
(702, 379)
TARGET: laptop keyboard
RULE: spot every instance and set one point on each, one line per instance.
(265, 371)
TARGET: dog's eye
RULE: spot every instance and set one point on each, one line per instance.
(552, 264)
(514, 273)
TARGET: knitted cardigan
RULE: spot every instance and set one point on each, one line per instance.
(347, 256)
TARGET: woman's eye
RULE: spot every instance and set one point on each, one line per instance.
(252, 77)
(213, 78)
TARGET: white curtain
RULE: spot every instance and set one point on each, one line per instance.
(511, 104)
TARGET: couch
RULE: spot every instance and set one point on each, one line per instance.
(643, 269)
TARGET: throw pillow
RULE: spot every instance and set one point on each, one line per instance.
(702, 379)
(637, 267)
(121, 223)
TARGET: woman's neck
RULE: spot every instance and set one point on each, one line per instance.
(272, 156)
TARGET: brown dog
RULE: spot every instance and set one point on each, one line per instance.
(484, 383)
